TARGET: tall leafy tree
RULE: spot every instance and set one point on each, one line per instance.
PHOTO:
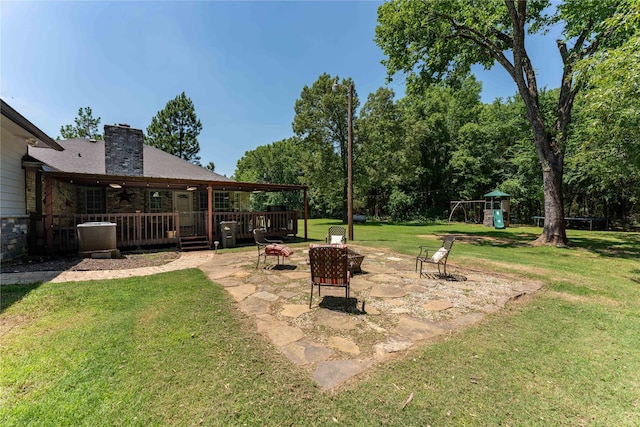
(175, 129)
(85, 126)
(275, 163)
(604, 152)
(321, 124)
(441, 39)
(380, 155)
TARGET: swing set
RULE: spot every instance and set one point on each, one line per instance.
(492, 211)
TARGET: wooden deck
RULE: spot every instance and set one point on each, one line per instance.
(146, 229)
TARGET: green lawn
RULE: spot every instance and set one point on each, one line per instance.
(172, 348)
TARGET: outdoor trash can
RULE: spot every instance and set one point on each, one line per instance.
(228, 233)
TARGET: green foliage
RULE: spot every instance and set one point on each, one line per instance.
(604, 151)
(401, 206)
(437, 40)
(86, 126)
(380, 156)
(275, 163)
(211, 166)
(321, 124)
(175, 129)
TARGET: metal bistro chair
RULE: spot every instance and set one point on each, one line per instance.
(438, 257)
(337, 235)
(268, 247)
(329, 267)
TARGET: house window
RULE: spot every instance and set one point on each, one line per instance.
(221, 202)
(203, 201)
(95, 201)
(155, 202)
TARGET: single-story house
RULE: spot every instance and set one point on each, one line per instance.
(153, 197)
(17, 134)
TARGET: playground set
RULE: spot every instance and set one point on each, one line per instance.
(492, 211)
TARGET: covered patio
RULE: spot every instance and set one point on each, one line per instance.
(139, 227)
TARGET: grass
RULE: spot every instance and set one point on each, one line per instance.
(172, 348)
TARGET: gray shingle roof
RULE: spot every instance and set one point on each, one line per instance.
(85, 157)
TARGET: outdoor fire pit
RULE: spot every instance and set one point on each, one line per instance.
(355, 261)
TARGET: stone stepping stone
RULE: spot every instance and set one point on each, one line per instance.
(254, 306)
(374, 326)
(298, 275)
(489, 308)
(392, 345)
(288, 294)
(282, 334)
(462, 321)
(386, 278)
(386, 291)
(294, 310)
(334, 320)
(215, 272)
(241, 274)
(437, 305)
(227, 281)
(332, 373)
(360, 284)
(416, 329)
(240, 292)
(304, 352)
(371, 310)
(267, 296)
(418, 289)
(344, 345)
(277, 278)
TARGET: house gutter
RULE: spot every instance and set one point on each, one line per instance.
(25, 124)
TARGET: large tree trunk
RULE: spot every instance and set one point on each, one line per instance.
(550, 152)
(554, 227)
(552, 161)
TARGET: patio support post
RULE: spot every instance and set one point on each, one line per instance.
(350, 165)
(210, 215)
(48, 206)
(306, 213)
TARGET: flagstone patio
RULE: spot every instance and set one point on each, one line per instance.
(392, 309)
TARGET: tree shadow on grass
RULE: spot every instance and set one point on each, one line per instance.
(11, 294)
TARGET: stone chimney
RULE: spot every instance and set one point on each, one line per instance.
(123, 150)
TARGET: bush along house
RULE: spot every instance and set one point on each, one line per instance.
(153, 197)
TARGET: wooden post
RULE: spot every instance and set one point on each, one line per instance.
(210, 215)
(306, 214)
(48, 206)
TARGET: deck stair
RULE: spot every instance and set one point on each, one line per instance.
(194, 243)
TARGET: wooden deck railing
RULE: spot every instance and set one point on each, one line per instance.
(132, 229)
(143, 229)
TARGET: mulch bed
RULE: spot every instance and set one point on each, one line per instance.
(128, 260)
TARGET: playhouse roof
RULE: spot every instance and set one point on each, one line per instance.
(496, 193)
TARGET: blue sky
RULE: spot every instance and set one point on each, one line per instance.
(242, 63)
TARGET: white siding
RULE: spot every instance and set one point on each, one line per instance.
(12, 191)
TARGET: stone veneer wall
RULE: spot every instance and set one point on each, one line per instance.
(123, 150)
(13, 236)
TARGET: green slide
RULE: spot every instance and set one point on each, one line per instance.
(498, 222)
